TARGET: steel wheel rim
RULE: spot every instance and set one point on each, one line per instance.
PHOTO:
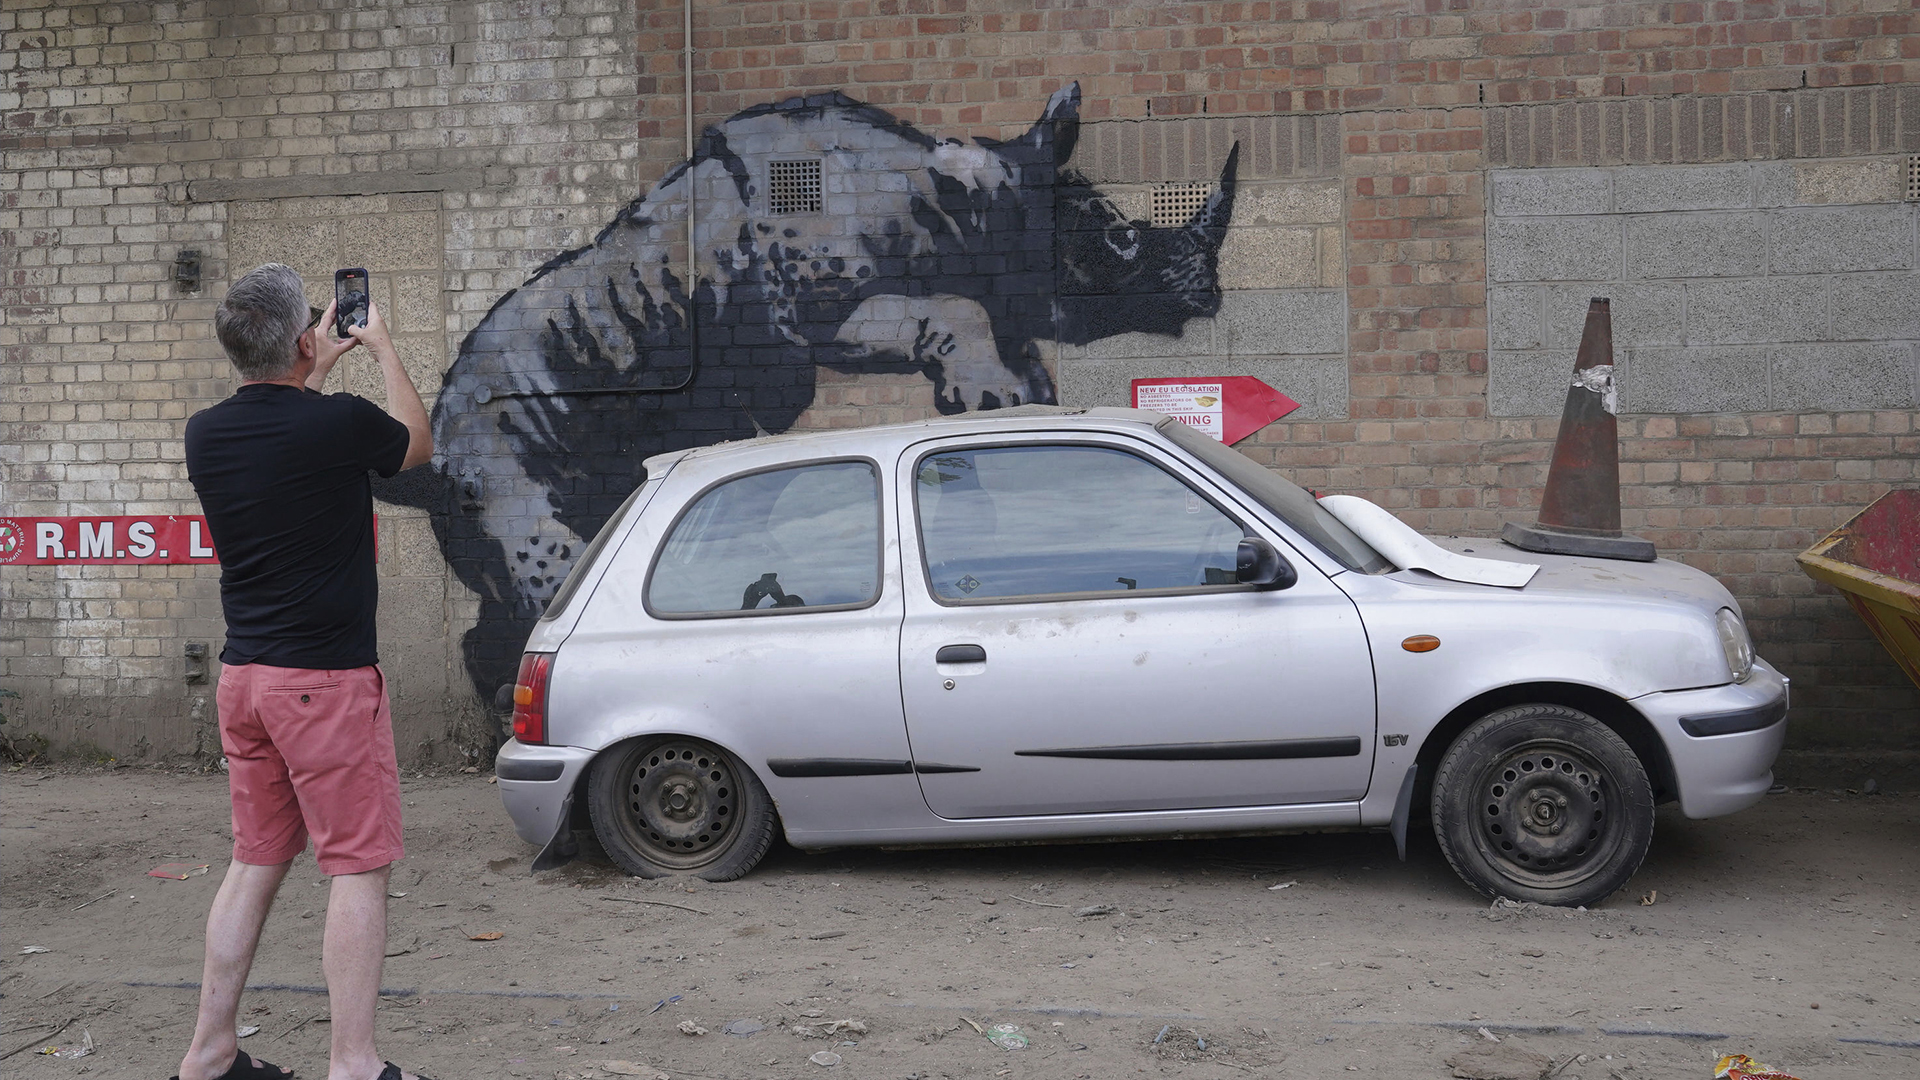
(1546, 815)
(680, 804)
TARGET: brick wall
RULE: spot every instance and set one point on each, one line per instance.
(451, 147)
(1381, 145)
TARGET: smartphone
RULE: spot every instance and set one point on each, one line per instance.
(350, 298)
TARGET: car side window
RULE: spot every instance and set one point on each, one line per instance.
(778, 541)
(1025, 521)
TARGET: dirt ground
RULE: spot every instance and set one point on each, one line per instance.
(1785, 932)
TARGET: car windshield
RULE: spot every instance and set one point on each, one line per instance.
(1289, 501)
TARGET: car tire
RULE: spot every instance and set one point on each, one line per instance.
(1542, 803)
(676, 805)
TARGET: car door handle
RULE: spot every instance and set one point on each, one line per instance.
(960, 654)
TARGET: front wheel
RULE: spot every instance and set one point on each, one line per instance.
(679, 806)
(1543, 803)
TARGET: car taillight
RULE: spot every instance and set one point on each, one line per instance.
(530, 698)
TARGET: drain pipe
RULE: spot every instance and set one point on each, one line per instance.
(686, 94)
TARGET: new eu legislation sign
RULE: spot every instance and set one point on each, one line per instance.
(1227, 407)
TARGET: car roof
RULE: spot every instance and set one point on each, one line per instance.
(1017, 418)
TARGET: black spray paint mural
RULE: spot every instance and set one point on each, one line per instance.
(827, 232)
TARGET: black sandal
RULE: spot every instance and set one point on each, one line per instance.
(247, 1067)
(392, 1072)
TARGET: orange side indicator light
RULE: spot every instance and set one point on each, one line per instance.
(1421, 643)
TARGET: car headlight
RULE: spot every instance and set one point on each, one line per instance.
(1735, 643)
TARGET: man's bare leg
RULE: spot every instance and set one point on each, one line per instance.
(233, 933)
(355, 950)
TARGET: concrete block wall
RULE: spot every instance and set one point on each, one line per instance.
(1781, 286)
(450, 148)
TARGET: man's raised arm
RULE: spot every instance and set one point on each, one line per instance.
(403, 400)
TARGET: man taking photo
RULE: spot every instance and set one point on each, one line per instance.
(282, 474)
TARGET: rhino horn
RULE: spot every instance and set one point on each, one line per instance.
(1211, 218)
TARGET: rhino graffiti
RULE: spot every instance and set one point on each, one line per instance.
(956, 261)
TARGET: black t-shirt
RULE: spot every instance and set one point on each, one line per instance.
(282, 478)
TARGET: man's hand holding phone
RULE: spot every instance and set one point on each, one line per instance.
(372, 332)
(327, 350)
(361, 324)
(364, 325)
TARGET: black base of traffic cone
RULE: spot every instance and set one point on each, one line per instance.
(1563, 542)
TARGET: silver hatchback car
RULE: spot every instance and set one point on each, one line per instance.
(1045, 623)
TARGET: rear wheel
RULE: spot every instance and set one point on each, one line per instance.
(1543, 803)
(679, 806)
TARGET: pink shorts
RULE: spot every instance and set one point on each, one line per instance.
(311, 752)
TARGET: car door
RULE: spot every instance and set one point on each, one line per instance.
(1074, 640)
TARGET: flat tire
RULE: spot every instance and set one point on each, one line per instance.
(676, 805)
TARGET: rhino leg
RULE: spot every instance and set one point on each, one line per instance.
(949, 339)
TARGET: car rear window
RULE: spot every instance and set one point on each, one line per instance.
(778, 541)
(1289, 501)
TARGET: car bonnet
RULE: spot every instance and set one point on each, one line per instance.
(1604, 579)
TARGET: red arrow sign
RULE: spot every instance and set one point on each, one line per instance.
(1227, 407)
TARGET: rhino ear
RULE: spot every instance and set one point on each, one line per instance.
(1058, 126)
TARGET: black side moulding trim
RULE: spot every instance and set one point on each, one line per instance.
(1732, 723)
(795, 768)
(1209, 751)
(528, 770)
(925, 767)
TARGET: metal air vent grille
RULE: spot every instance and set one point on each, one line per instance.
(793, 187)
(1913, 177)
(1175, 203)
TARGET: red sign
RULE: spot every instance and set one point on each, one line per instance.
(150, 539)
(1227, 407)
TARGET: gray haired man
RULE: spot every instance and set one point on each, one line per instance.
(282, 474)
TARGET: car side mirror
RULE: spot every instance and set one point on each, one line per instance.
(1260, 563)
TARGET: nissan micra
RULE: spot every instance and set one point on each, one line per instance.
(1044, 623)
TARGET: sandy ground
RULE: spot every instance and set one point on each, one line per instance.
(1787, 932)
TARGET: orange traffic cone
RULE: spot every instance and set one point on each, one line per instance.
(1580, 512)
